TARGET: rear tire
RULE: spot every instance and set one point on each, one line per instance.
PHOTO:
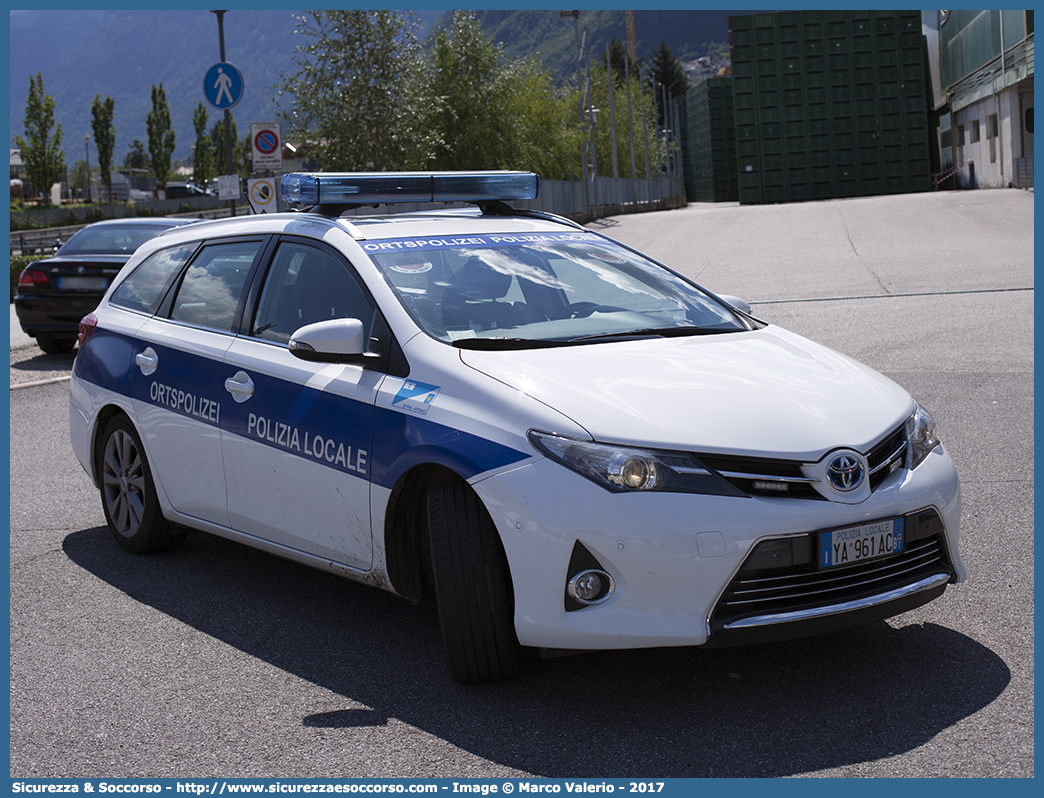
(472, 586)
(132, 508)
(55, 346)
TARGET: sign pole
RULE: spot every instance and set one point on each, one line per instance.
(228, 114)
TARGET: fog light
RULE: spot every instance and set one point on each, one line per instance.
(591, 587)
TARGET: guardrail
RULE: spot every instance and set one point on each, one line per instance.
(39, 242)
(48, 239)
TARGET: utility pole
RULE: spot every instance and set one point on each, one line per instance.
(228, 114)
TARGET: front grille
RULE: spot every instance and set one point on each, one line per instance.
(785, 479)
(887, 456)
(759, 591)
(757, 476)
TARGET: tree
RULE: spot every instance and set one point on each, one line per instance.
(203, 151)
(217, 143)
(643, 117)
(623, 65)
(161, 137)
(41, 149)
(136, 157)
(541, 118)
(243, 153)
(80, 176)
(466, 82)
(667, 72)
(495, 114)
(361, 95)
(242, 149)
(104, 137)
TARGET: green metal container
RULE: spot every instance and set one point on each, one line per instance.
(829, 103)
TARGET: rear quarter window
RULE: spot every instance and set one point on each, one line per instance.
(146, 286)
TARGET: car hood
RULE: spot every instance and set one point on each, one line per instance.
(765, 392)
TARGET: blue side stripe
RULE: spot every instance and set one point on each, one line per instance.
(353, 437)
(403, 441)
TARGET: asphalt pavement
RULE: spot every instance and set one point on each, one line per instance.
(18, 338)
(215, 660)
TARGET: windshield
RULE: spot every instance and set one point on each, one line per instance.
(550, 288)
(110, 239)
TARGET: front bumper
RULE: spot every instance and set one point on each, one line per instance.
(673, 556)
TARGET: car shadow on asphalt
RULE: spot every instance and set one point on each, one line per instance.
(30, 363)
(768, 711)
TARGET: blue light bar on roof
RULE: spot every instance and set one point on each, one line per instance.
(367, 188)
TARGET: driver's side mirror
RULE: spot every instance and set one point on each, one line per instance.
(331, 341)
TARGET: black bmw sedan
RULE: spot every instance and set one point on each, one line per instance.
(56, 292)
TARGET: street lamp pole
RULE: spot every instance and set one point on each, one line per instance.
(588, 155)
(87, 157)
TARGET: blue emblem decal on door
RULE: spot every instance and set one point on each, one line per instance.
(415, 397)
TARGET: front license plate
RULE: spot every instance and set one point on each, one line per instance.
(860, 543)
(83, 283)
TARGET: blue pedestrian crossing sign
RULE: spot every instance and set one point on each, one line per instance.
(223, 85)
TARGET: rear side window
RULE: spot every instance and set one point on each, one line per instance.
(213, 283)
(145, 288)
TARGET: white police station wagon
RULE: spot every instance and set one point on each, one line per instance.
(570, 446)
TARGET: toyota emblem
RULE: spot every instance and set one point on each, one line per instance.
(845, 472)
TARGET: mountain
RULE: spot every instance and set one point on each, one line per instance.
(121, 53)
(553, 38)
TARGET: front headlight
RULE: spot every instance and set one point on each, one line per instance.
(920, 436)
(628, 469)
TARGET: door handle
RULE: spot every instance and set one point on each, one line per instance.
(147, 361)
(240, 386)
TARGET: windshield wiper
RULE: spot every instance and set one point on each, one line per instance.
(662, 332)
(506, 343)
(493, 343)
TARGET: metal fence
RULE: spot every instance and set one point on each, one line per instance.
(582, 202)
(607, 196)
(1024, 172)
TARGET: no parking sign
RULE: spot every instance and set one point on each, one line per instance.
(267, 144)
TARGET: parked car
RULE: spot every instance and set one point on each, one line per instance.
(566, 444)
(182, 190)
(53, 294)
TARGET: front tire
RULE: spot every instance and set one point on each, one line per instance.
(472, 586)
(132, 508)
